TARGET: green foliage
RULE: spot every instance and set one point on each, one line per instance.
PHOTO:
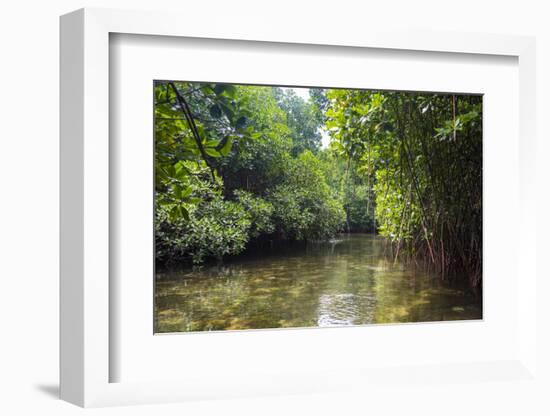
(303, 119)
(239, 165)
(258, 160)
(353, 190)
(195, 125)
(259, 213)
(219, 229)
(305, 207)
(215, 228)
(421, 156)
(359, 208)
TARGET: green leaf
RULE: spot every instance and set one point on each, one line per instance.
(230, 91)
(182, 193)
(211, 152)
(211, 143)
(179, 211)
(184, 213)
(226, 148)
(257, 135)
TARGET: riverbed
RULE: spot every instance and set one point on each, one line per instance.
(350, 280)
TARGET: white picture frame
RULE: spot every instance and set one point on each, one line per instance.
(86, 356)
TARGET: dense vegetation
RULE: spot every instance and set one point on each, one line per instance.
(242, 166)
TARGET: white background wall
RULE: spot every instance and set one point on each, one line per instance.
(29, 207)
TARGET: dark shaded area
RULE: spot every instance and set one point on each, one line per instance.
(51, 390)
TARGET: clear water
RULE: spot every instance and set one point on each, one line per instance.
(348, 281)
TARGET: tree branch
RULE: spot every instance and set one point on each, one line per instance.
(191, 122)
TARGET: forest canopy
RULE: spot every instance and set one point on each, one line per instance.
(239, 166)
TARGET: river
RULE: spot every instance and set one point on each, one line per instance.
(347, 281)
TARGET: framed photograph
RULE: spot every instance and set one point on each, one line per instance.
(289, 207)
(285, 213)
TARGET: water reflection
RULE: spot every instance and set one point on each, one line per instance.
(347, 281)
